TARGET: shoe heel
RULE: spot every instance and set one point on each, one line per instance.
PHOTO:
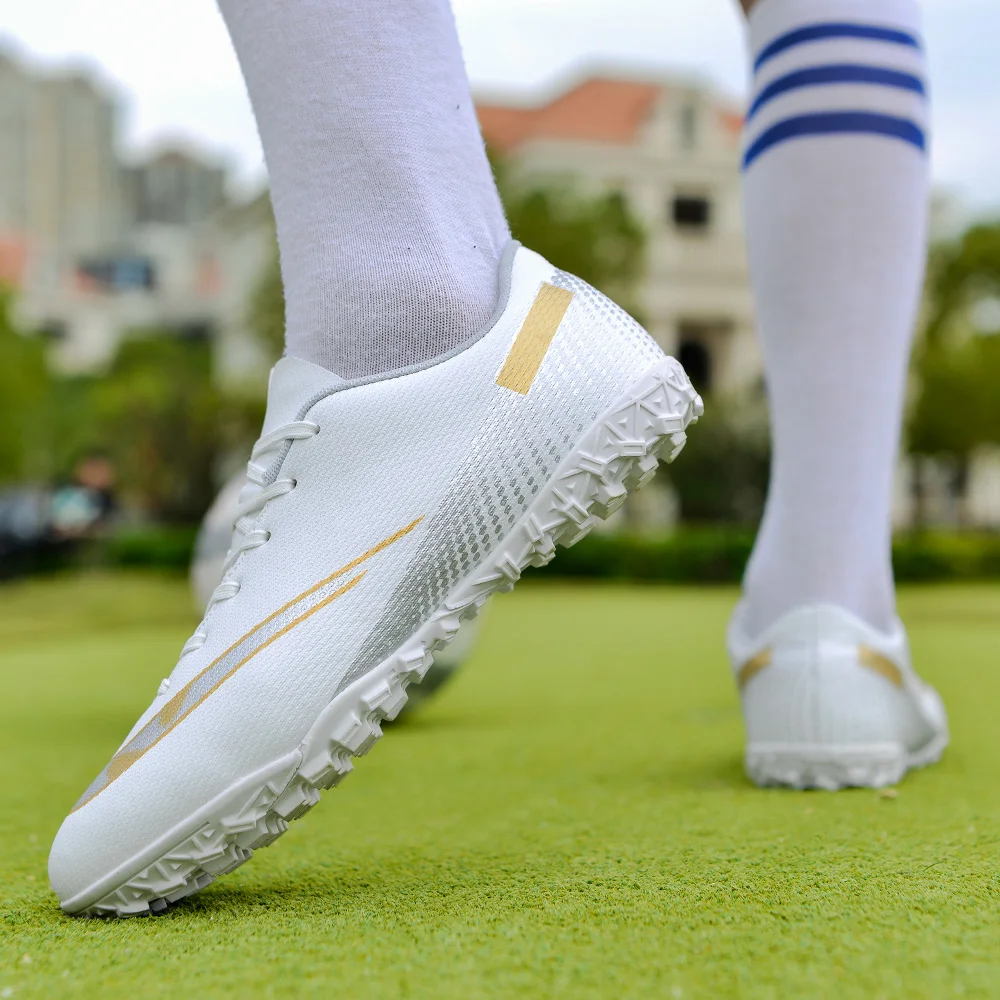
(818, 718)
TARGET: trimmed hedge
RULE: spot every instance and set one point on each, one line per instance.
(707, 555)
(162, 546)
(691, 555)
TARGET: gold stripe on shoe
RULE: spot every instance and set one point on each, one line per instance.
(533, 339)
(279, 623)
(753, 666)
(872, 659)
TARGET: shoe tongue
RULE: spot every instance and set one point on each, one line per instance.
(294, 383)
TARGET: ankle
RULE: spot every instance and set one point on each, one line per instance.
(407, 312)
(782, 577)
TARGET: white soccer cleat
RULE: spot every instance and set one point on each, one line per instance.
(831, 703)
(377, 515)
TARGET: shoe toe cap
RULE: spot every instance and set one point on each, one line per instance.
(78, 858)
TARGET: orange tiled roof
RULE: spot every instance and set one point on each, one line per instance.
(731, 121)
(597, 110)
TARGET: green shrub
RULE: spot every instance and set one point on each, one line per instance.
(719, 555)
(722, 476)
(695, 555)
(160, 547)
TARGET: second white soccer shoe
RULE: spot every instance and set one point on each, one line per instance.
(376, 516)
(831, 703)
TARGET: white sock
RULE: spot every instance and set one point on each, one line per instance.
(389, 222)
(835, 190)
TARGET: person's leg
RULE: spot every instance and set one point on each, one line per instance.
(835, 190)
(388, 219)
(836, 193)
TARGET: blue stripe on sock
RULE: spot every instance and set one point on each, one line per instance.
(822, 32)
(835, 123)
(844, 73)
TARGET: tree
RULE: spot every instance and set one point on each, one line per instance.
(161, 420)
(960, 275)
(26, 392)
(957, 366)
(597, 239)
(958, 406)
(722, 474)
(594, 236)
(267, 308)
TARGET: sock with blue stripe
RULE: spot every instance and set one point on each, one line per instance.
(835, 196)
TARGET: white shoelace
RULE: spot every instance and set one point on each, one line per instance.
(245, 536)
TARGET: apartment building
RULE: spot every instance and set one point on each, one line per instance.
(95, 247)
(61, 194)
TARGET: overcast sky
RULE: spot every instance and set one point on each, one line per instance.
(172, 64)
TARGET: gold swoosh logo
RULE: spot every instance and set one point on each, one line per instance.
(753, 666)
(880, 664)
(182, 704)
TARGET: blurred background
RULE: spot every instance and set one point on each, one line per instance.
(141, 304)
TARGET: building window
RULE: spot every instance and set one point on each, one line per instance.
(115, 274)
(687, 126)
(696, 360)
(691, 213)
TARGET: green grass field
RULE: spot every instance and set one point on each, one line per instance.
(569, 818)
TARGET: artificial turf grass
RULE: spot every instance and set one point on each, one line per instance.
(568, 818)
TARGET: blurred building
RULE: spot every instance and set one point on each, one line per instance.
(96, 248)
(175, 188)
(61, 195)
(672, 148)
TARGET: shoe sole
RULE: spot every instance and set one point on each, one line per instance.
(830, 768)
(619, 453)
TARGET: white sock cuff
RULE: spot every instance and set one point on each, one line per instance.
(770, 19)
